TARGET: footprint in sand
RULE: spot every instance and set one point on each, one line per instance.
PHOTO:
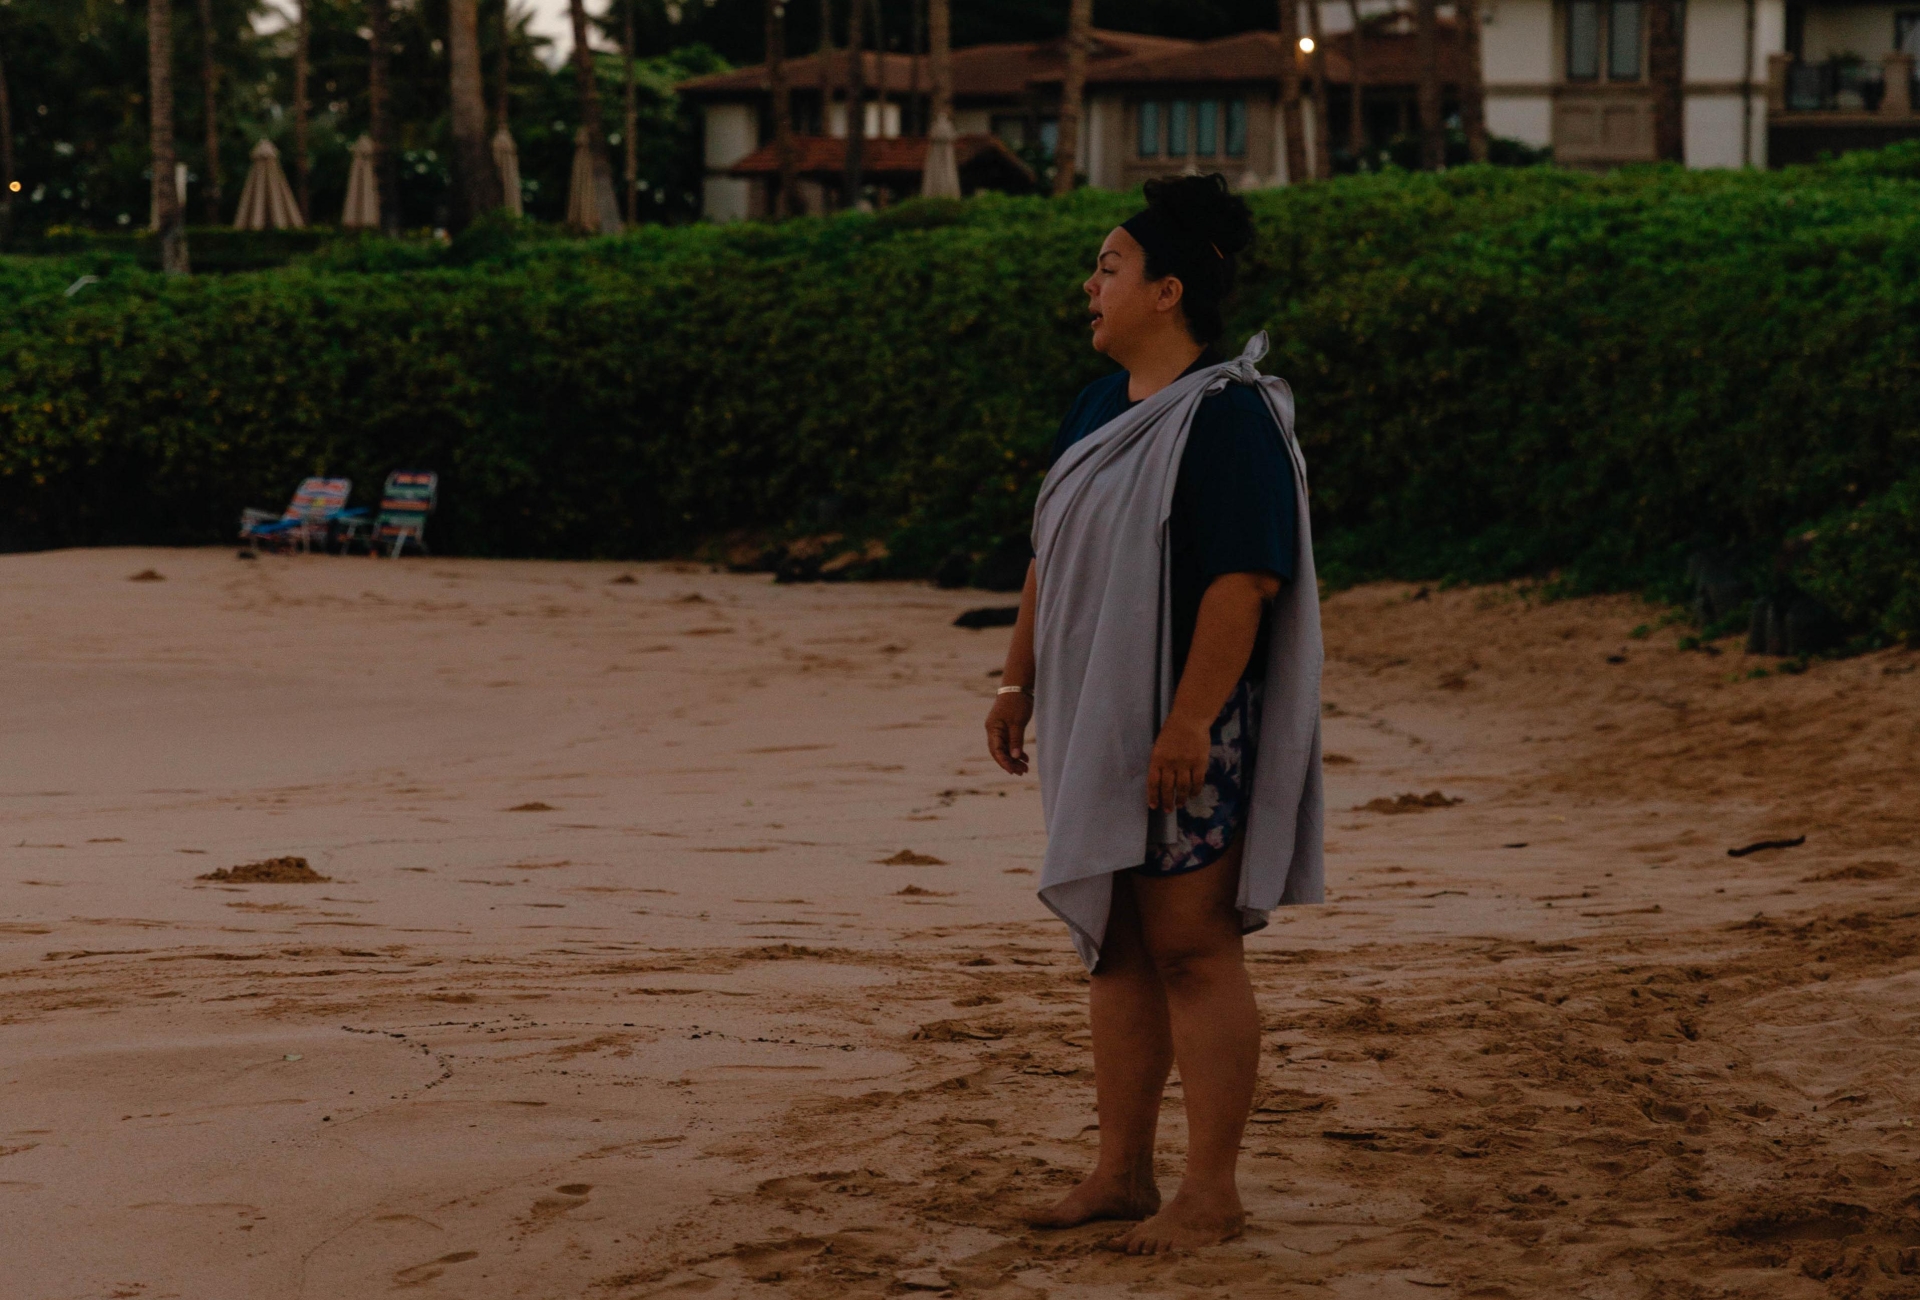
(571, 1197)
(421, 1274)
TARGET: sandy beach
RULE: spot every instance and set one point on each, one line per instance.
(678, 938)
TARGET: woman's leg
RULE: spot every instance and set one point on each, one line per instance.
(1191, 927)
(1132, 1055)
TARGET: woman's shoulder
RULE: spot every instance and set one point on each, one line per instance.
(1236, 411)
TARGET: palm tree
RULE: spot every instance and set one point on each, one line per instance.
(1473, 86)
(942, 178)
(782, 105)
(1433, 131)
(590, 121)
(630, 125)
(1073, 95)
(476, 186)
(856, 102)
(386, 164)
(209, 89)
(1357, 101)
(6, 155)
(169, 222)
(1664, 71)
(1291, 128)
(302, 169)
(1322, 125)
(879, 30)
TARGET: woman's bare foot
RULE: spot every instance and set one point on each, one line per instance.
(1191, 1220)
(1100, 1197)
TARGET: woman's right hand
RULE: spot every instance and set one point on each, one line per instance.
(1007, 730)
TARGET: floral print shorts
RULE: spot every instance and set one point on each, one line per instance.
(1208, 822)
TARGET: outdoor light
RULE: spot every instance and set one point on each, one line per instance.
(1306, 45)
(15, 187)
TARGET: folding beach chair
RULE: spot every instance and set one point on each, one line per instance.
(306, 520)
(402, 517)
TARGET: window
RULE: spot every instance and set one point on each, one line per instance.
(1049, 136)
(1236, 128)
(1180, 129)
(1149, 130)
(1906, 32)
(1011, 130)
(1206, 138)
(1609, 29)
(1623, 41)
(1583, 40)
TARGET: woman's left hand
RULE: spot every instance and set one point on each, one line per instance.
(1179, 766)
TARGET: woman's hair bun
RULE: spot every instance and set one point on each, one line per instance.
(1206, 208)
(1203, 209)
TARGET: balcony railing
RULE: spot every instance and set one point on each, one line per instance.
(1889, 87)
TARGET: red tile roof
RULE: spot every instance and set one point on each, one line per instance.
(1391, 58)
(1010, 70)
(979, 71)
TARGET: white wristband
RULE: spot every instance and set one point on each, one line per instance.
(1011, 690)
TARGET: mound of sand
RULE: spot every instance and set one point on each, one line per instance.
(269, 871)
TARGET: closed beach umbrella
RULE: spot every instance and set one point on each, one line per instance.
(363, 190)
(266, 203)
(506, 161)
(941, 177)
(591, 205)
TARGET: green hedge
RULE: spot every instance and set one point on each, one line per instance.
(1500, 371)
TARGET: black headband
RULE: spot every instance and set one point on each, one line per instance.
(1171, 247)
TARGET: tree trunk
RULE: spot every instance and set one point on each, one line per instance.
(209, 91)
(1322, 124)
(1433, 131)
(1073, 96)
(856, 103)
(828, 74)
(940, 59)
(6, 155)
(1473, 88)
(168, 221)
(1357, 101)
(782, 205)
(630, 126)
(503, 109)
(878, 19)
(476, 186)
(916, 46)
(1292, 129)
(302, 171)
(386, 164)
(1665, 70)
(589, 87)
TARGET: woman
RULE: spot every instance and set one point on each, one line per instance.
(1169, 640)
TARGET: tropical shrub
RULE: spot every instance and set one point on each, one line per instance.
(1500, 371)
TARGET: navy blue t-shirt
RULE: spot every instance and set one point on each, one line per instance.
(1234, 509)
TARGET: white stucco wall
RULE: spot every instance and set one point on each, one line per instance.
(732, 133)
(1710, 126)
(1528, 118)
(726, 198)
(1516, 42)
(1716, 39)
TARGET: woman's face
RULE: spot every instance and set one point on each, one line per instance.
(1129, 311)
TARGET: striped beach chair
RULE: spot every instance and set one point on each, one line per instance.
(304, 524)
(402, 518)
